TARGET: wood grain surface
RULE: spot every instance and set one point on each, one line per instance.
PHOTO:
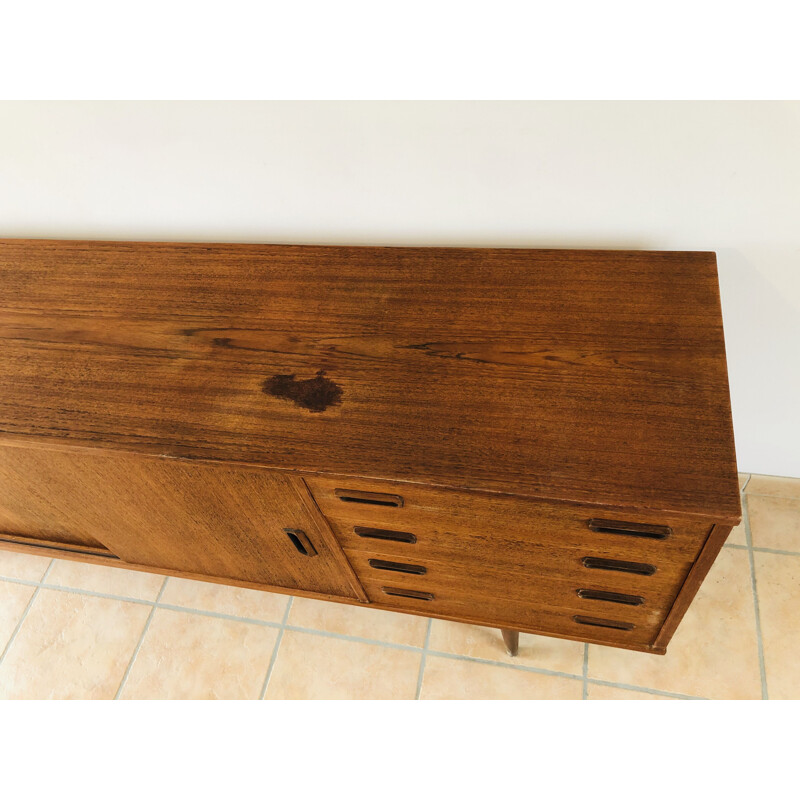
(450, 526)
(585, 376)
(223, 521)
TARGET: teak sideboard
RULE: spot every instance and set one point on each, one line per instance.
(534, 440)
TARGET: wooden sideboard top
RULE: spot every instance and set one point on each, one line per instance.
(575, 375)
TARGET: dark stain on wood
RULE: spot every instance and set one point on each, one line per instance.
(315, 394)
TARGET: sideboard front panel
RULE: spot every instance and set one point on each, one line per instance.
(217, 520)
(30, 487)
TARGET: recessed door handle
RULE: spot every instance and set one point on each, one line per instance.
(301, 542)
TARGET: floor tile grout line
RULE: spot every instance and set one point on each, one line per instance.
(776, 496)
(425, 645)
(765, 475)
(520, 667)
(20, 581)
(89, 593)
(754, 587)
(771, 550)
(585, 695)
(24, 616)
(347, 637)
(201, 612)
(141, 601)
(274, 656)
(742, 502)
(775, 552)
(141, 641)
(644, 689)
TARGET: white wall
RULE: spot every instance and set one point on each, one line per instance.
(679, 176)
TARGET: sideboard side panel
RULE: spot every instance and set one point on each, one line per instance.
(696, 576)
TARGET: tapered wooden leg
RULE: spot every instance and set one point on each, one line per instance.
(511, 638)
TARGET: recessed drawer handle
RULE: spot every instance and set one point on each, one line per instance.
(630, 528)
(611, 597)
(299, 539)
(396, 566)
(380, 533)
(618, 566)
(604, 623)
(370, 498)
(414, 595)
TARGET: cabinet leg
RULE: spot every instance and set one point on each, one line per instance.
(511, 639)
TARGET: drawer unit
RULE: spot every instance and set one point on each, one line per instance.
(537, 440)
(561, 566)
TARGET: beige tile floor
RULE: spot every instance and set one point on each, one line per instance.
(70, 630)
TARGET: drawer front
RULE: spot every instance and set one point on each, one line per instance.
(508, 614)
(551, 566)
(547, 589)
(449, 526)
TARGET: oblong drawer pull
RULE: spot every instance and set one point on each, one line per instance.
(380, 533)
(413, 594)
(639, 529)
(397, 566)
(370, 498)
(604, 623)
(611, 597)
(301, 542)
(613, 565)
